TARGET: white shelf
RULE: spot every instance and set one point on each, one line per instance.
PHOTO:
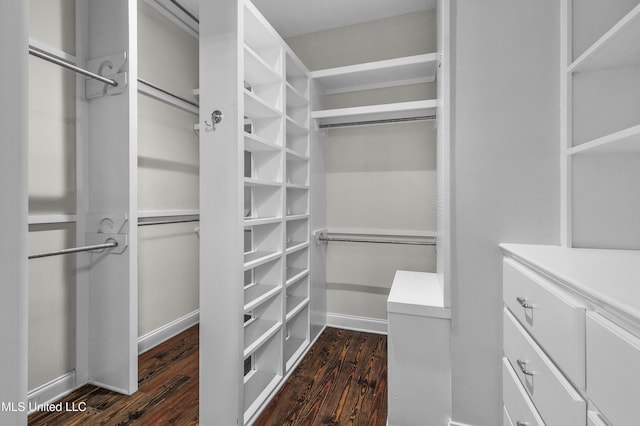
(626, 141)
(295, 304)
(619, 47)
(256, 108)
(376, 112)
(52, 218)
(293, 246)
(295, 98)
(295, 278)
(255, 143)
(294, 348)
(372, 75)
(297, 186)
(257, 258)
(257, 294)
(253, 221)
(295, 128)
(261, 183)
(256, 70)
(297, 217)
(295, 156)
(256, 389)
(257, 333)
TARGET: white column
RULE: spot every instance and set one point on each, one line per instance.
(13, 211)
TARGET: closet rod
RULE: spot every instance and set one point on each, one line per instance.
(167, 222)
(74, 250)
(166, 92)
(383, 121)
(58, 61)
(325, 238)
(185, 11)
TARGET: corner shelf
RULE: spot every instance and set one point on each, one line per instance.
(373, 75)
(391, 111)
(618, 48)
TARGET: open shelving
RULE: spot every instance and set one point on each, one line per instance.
(601, 130)
(392, 111)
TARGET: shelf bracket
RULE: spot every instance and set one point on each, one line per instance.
(112, 67)
(108, 227)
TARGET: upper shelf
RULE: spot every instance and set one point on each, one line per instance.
(373, 75)
(625, 141)
(400, 110)
(619, 47)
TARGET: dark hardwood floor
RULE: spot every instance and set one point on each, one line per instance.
(341, 381)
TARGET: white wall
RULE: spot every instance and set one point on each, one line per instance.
(52, 191)
(377, 177)
(13, 209)
(505, 178)
(168, 173)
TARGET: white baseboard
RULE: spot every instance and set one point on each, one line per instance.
(452, 423)
(349, 322)
(51, 391)
(159, 335)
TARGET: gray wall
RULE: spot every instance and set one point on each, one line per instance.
(505, 176)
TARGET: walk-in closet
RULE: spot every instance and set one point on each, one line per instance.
(213, 212)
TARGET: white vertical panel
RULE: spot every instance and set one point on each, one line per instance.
(112, 170)
(13, 209)
(221, 206)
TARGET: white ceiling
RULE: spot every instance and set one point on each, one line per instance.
(295, 17)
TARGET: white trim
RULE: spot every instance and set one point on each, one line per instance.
(44, 219)
(452, 423)
(350, 322)
(51, 391)
(167, 213)
(167, 331)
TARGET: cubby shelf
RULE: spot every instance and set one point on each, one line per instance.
(301, 273)
(618, 48)
(295, 304)
(297, 186)
(261, 221)
(261, 183)
(257, 108)
(257, 333)
(624, 141)
(297, 217)
(391, 111)
(373, 75)
(293, 246)
(295, 128)
(255, 143)
(256, 294)
(294, 156)
(257, 258)
(295, 98)
(257, 71)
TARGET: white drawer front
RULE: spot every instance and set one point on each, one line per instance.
(519, 409)
(613, 371)
(552, 317)
(555, 399)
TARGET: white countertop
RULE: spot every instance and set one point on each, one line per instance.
(612, 276)
(417, 293)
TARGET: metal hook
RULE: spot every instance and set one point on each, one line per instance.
(216, 117)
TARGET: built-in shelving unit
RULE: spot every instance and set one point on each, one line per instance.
(263, 146)
(601, 125)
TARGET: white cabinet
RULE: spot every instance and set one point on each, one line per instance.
(600, 289)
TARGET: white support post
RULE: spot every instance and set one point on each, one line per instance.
(112, 193)
(14, 44)
(221, 219)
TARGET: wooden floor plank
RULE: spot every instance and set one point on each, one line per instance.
(341, 381)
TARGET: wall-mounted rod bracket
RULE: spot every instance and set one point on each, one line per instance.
(112, 67)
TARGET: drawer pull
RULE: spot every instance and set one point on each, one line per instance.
(521, 423)
(523, 302)
(523, 367)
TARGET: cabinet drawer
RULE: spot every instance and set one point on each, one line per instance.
(613, 371)
(518, 408)
(555, 399)
(550, 315)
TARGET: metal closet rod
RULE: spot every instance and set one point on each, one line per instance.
(166, 222)
(74, 250)
(185, 11)
(166, 92)
(325, 238)
(382, 121)
(59, 61)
